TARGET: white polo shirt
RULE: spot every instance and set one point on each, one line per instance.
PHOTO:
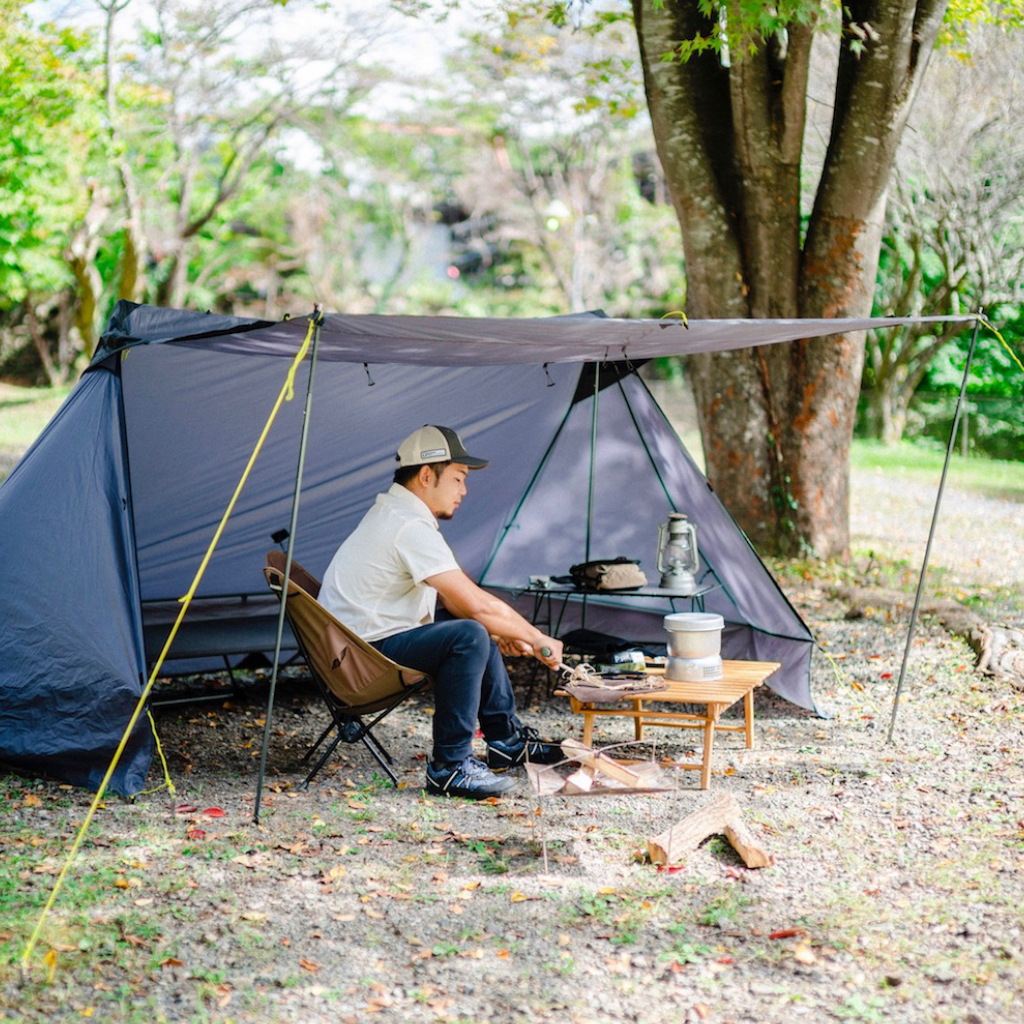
(374, 584)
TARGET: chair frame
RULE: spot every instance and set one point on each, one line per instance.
(304, 589)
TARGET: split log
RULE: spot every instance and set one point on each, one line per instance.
(720, 815)
(602, 763)
(581, 781)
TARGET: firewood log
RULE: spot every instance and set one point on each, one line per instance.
(721, 815)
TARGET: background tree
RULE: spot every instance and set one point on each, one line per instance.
(49, 106)
(729, 115)
(204, 91)
(563, 197)
(954, 237)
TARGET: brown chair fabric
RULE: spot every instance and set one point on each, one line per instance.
(358, 676)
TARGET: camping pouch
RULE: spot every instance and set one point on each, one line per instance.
(608, 574)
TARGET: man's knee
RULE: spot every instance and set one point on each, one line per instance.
(471, 636)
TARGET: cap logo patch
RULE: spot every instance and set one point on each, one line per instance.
(433, 453)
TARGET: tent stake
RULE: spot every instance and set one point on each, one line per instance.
(318, 319)
(931, 530)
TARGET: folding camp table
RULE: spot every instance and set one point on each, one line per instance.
(551, 600)
(738, 682)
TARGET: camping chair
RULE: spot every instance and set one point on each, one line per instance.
(359, 685)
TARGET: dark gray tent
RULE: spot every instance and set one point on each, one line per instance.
(110, 512)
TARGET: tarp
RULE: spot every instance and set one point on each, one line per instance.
(108, 515)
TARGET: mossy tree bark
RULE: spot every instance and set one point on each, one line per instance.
(777, 421)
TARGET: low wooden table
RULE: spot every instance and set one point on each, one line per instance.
(739, 679)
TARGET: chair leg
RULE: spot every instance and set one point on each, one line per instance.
(313, 749)
(323, 760)
(372, 748)
(364, 733)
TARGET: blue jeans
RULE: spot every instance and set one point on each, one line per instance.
(470, 682)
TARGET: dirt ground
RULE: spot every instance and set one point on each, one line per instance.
(894, 895)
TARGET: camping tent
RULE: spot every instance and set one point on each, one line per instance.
(111, 510)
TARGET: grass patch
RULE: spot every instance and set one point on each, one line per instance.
(992, 477)
(24, 412)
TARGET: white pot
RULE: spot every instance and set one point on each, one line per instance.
(694, 634)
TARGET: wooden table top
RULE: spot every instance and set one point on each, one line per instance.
(738, 678)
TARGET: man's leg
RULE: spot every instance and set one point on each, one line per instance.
(470, 682)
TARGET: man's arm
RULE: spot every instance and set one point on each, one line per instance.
(465, 600)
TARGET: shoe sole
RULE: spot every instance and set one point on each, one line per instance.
(467, 794)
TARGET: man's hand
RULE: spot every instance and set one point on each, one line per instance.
(549, 651)
(512, 648)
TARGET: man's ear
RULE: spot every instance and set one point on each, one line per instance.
(426, 476)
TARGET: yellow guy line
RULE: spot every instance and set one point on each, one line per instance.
(286, 395)
(1013, 355)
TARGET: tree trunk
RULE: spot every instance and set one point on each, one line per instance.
(777, 421)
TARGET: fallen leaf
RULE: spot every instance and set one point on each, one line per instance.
(213, 812)
(804, 954)
(51, 965)
(309, 965)
(786, 933)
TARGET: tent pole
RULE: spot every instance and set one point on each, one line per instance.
(318, 319)
(931, 531)
(526, 494)
(590, 485)
(643, 440)
(593, 449)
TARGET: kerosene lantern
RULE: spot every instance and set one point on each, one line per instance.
(678, 560)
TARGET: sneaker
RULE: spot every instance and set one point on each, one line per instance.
(523, 745)
(470, 778)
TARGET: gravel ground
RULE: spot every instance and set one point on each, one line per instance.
(977, 539)
(895, 892)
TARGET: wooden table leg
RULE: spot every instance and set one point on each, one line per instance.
(638, 725)
(588, 729)
(709, 744)
(748, 716)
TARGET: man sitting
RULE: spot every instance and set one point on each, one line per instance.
(384, 582)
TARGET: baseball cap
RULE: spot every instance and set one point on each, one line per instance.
(436, 444)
